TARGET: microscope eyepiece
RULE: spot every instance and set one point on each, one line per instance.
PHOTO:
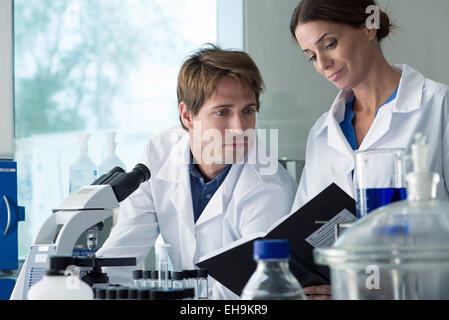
(107, 176)
(123, 184)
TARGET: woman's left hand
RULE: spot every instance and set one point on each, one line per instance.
(322, 292)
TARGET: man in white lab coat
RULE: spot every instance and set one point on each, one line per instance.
(208, 186)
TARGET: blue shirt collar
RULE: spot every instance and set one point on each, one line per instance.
(194, 172)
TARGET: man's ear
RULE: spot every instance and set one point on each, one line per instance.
(186, 115)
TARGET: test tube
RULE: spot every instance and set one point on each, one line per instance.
(169, 280)
(137, 278)
(132, 293)
(193, 281)
(154, 279)
(147, 281)
(177, 277)
(111, 293)
(143, 294)
(122, 293)
(188, 294)
(185, 278)
(202, 283)
(100, 293)
(163, 265)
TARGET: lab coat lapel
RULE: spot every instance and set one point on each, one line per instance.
(335, 137)
(175, 172)
(379, 128)
(408, 98)
(219, 201)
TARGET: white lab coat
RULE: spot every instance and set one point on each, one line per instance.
(421, 105)
(245, 203)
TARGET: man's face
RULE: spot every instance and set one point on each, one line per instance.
(219, 132)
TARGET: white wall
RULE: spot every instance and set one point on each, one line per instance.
(6, 83)
(296, 95)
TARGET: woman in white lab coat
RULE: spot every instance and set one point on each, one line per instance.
(379, 105)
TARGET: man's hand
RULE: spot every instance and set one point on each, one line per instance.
(322, 292)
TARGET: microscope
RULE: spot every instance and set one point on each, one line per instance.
(83, 210)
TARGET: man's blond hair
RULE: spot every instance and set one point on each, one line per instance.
(201, 71)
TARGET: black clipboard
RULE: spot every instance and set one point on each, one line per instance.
(233, 267)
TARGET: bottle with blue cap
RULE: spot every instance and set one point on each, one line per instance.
(272, 279)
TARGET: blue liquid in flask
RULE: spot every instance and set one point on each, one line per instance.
(371, 199)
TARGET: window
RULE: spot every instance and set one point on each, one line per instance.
(94, 66)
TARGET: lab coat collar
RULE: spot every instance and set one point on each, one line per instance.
(178, 159)
(410, 91)
(218, 204)
(222, 197)
(175, 171)
(408, 99)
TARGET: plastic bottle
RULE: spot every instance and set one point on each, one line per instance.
(83, 171)
(111, 160)
(272, 279)
(57, 285)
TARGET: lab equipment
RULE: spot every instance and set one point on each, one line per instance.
(147, 282)
(100, 293)
(111, 160)
(203, 289)
(61, 282)
(10, 215)
(400, 251)
(138, 278)
(83, 171)
(122, 293)
(154, 279)
(111, 293)
(374, 190)
(191, 280)
(143, 294)
(80, 211)
(169, 280)
(162, 252)
(132, 293)
(167, 295)
(189, 294)
(185, 278)
(178, 277)
(272, 279)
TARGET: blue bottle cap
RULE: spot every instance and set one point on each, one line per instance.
(271, 249)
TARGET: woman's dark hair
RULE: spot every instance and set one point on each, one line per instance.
(349, 12)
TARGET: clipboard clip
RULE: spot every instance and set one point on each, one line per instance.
(339, 228)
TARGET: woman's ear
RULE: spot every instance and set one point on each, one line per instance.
(371, 33)
(186, 115)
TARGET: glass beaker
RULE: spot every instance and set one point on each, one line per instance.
(379, 178)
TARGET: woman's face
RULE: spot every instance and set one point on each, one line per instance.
(340, 53)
